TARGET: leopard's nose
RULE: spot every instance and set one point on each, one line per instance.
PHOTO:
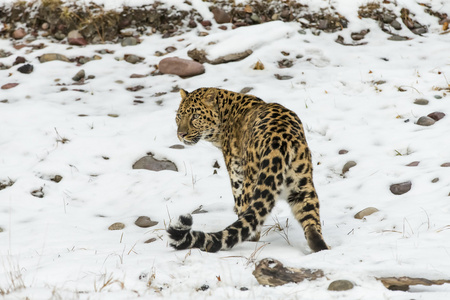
(181, 135)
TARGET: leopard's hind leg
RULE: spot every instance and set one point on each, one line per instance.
(302, 197)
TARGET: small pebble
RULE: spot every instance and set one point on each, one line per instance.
(79, 76)
(421, 101)
(347, 166)
(340, 285)
(436, 115)
(446, 165)
(435, 180)
(365, 212)
(343, 151)
(425, 121)
(116, 226)
(401, 188)
(25, 69)
(145, 222)
(413, 164)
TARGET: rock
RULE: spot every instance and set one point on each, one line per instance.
(436, 115)
(231, 57)
(396, 24)
(425, 121)
(150, 241)
(435, 180)
(79, 76)
(129, 41)
(75, 38)
(135, 88)
(57, 178)
(19, 60)
(413, 164)
(398, 38)
(421, 101)
(246, 90)
(206, 23)
(401, 188)
(1, 229)
(181, 67)
(340, 285)
(59, 36)
(192, 24)
(221, 16)
(116, 226)
(446, 165)
(132, 59)
(343, 151)
(19, 33)
(177, 146)
(137, 76)
(53, 56)
(145, 222)
(9, 86)
(152, 164)
(347, 166)
(365, 212)
(283, 77)
(26, 69)
(38, 193)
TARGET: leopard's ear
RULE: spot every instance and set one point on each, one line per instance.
(210, 96)
(183, 94)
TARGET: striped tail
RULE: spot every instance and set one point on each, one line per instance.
(182, 237)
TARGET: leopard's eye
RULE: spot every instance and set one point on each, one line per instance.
(195, 116)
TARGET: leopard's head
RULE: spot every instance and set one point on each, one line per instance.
(197, 117)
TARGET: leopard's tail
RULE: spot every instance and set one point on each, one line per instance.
(182, 237)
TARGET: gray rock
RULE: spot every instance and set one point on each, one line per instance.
(145, 222)
(80, 75)
(436, 115)
(425, 121)
(343, 151)
(347, 166)
(150, 163)
(1, 229)
(421, 101)
(396, 25)
(59, 36)
(340, 285)
(133, 59)
(246, 90)
(398, 38)
(129, 41)
(116, 226)
(435, 180)
(177, 146)
(181, 67)
(365, 212)
(26, 69)
(401, 188)
(52, 56)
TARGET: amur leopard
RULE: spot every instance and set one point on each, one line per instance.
(265, 152)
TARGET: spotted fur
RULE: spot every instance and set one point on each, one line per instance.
(265, 153)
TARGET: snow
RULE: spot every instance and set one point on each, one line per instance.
(59, 246)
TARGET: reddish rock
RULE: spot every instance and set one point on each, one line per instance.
(19, 60)
(181, 67)
(413, 164)
(221, 16)
(19, 33)
(437, 115)
(445, 165)
(206, 23)
(9, 86)
(75, 38)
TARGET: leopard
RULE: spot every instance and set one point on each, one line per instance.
(266, 156)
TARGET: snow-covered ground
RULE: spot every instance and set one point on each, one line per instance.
(360, 99)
